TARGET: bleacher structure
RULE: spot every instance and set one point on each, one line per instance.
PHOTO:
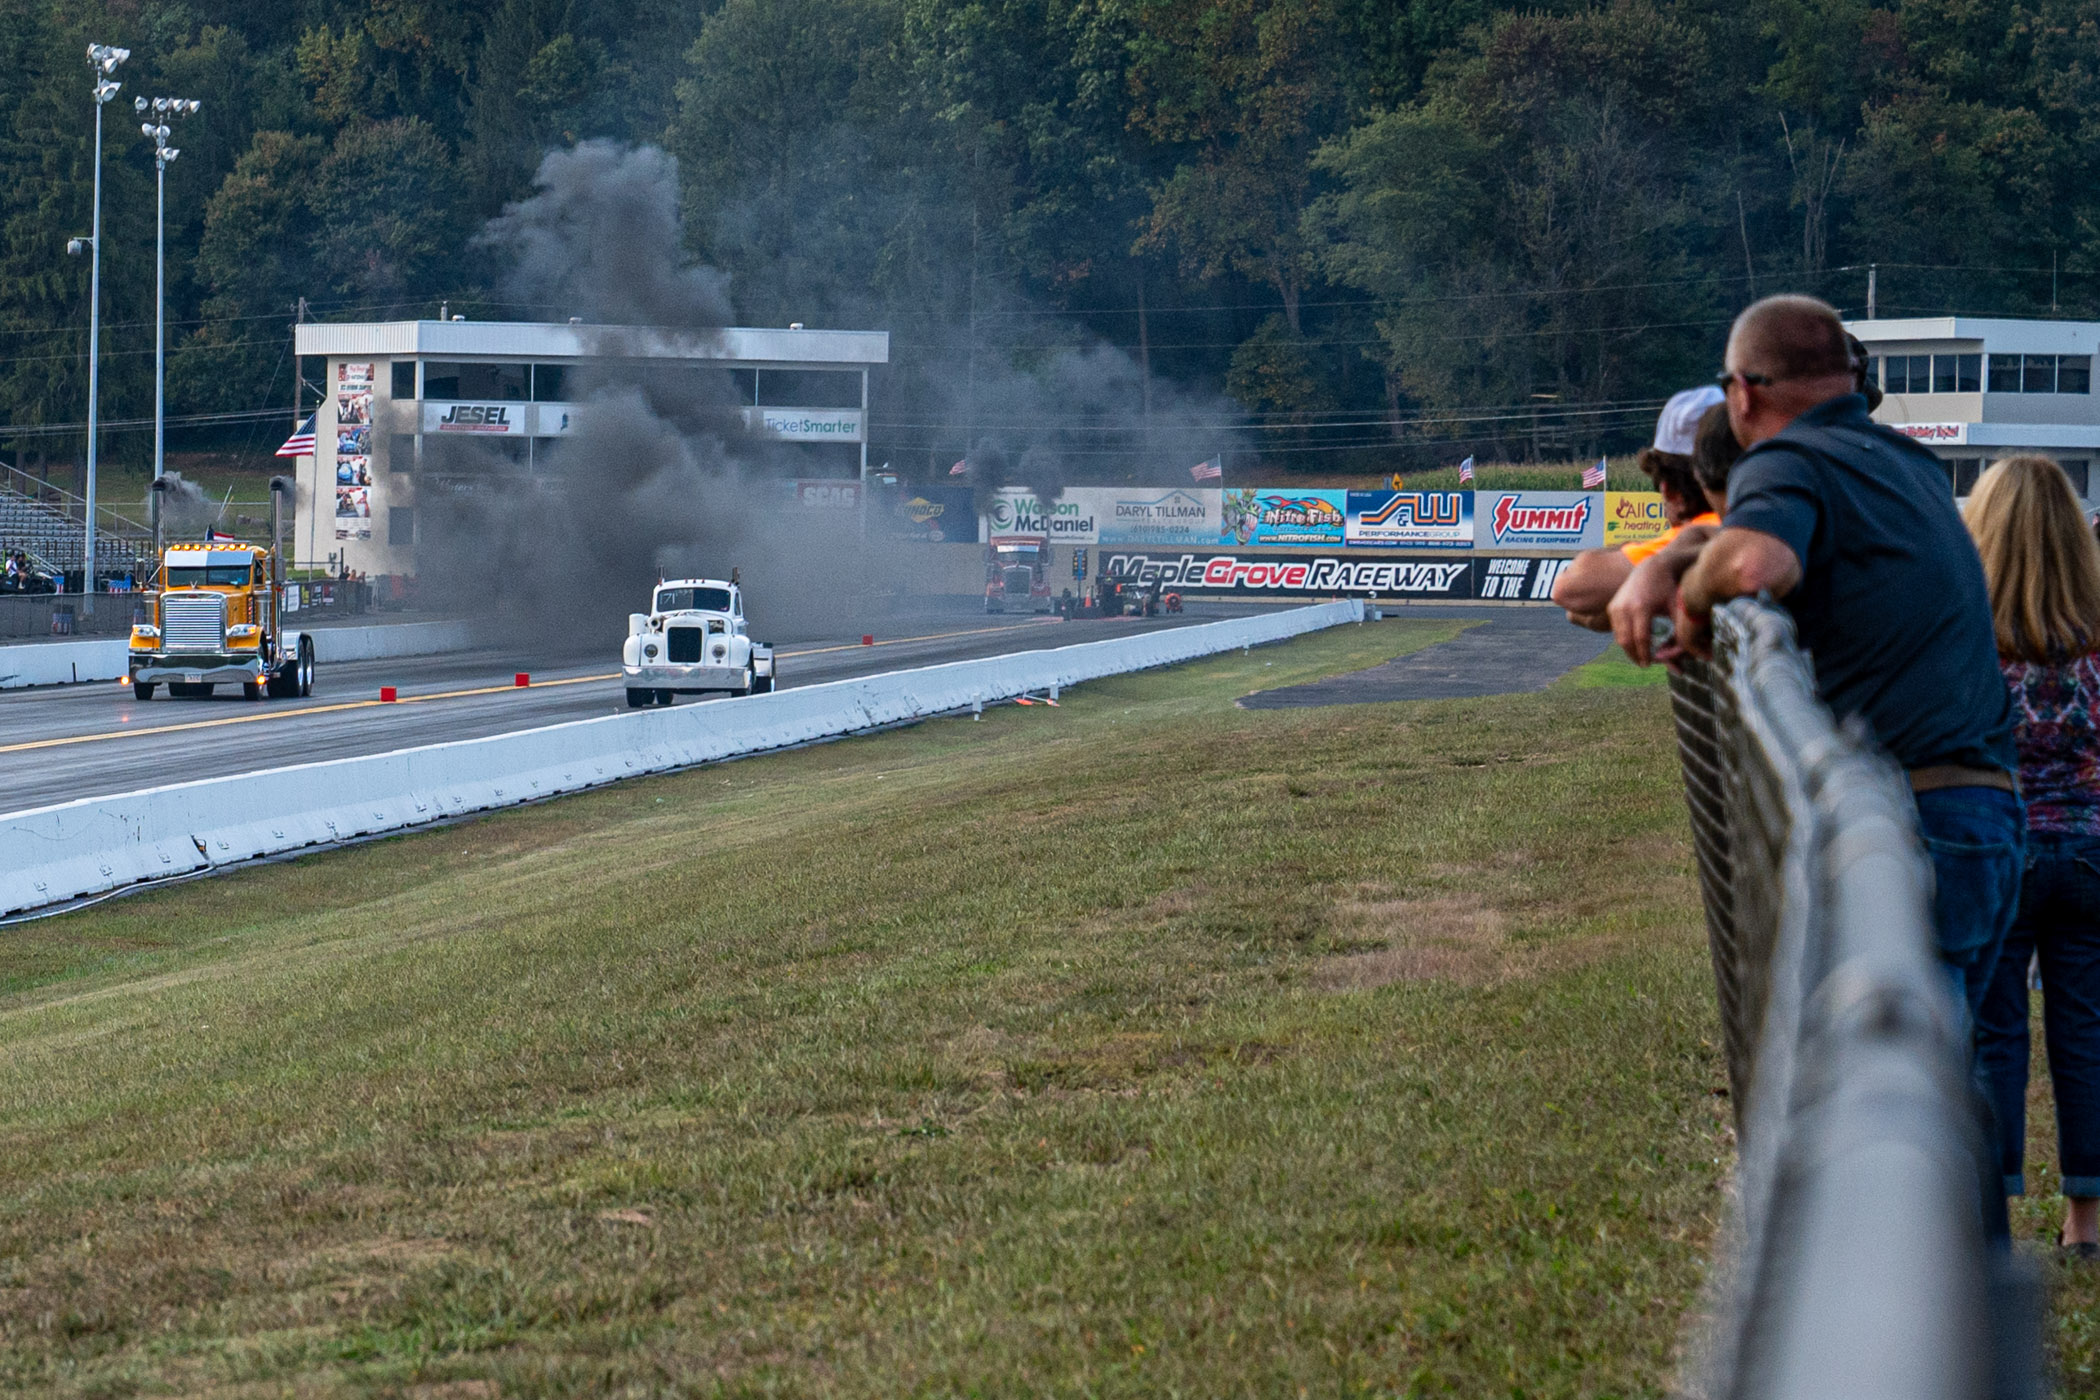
(44, 521)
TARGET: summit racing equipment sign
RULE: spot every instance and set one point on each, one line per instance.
(1418, 519)
(1533, 519)
(1293, 575)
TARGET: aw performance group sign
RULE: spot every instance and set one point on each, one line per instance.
(1327, 519)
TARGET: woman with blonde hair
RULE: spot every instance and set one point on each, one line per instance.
(2042, 566)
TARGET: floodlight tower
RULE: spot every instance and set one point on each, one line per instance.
(105, 61)
(156, 131)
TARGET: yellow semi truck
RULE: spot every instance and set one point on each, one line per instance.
(218, 619)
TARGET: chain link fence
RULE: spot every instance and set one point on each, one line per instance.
(1854, 1260)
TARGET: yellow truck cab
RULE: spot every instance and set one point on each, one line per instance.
(216, 620)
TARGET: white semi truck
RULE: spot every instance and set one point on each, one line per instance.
(693, 639)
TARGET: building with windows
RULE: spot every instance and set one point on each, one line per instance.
(1975, 390)
(408, 401)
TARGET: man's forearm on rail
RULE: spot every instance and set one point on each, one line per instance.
(1739, 563)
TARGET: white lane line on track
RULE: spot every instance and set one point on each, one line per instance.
(108, 734)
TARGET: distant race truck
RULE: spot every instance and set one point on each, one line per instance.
(217, 619)
(692, 640)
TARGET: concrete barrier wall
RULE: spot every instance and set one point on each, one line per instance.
(69, 850)
(104, 658)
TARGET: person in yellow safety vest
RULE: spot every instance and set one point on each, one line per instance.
(1586, 586)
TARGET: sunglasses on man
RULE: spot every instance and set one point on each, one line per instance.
(1728, 376)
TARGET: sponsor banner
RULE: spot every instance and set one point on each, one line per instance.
(931, 514)
(1947, 434)
(1521, 580)
(1136, 515)
(1633, 517)
(805, 424)
(1254, 516)
(500, 419)
(1538, 519)
(828, 495)
(353, 445)
(1070, 519)
(1294, 575)
(1410, 519)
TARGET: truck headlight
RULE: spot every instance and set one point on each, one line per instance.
(140, 632)
(649, 650)
(720, 652)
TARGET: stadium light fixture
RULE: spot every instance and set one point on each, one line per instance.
(105, 59)
(156, 131)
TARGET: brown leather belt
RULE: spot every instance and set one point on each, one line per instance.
(1953, 775)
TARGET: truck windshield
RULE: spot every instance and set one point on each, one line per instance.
(692, 600)
(209, 576)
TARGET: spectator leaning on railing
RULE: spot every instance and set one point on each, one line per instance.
(2043, 570)
(1851, 526)
(1586, 586)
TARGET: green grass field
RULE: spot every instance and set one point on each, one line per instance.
(1146, 1046)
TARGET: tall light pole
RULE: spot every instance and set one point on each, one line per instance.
(156, 131)
(105, 60)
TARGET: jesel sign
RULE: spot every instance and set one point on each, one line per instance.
(1632, 517)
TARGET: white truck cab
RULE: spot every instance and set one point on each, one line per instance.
(693, 639)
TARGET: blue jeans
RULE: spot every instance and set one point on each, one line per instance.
(1975, 836)
(2059, 922)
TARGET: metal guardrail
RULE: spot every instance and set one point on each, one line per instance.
(1854, 1262)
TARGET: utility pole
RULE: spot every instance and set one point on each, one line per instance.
(1872, 270)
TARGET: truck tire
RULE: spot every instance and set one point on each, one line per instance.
(762, 685)
(142, 690)
(636, 699)
(663, 697)
(306, 666)
(251, 690)
(750, 681)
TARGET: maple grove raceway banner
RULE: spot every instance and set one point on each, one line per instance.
(1234, 575)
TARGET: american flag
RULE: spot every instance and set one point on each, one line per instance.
(1465, 471)
(1593, 477)
(300, 443)
(960, 467)
(1212, 470)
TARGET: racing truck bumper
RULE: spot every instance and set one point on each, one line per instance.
(664, 676)
(193, 668)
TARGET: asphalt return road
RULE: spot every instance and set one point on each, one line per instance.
(59, 743)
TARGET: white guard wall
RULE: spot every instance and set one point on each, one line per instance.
(52, 854)
(107, 658)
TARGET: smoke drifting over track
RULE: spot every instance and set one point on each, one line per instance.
(656, 480)
(659, 478)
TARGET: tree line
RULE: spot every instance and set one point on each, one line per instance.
(1386, 229)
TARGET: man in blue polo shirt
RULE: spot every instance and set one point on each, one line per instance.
(1851, 526)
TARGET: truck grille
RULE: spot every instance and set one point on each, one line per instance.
(192, 622)
(684, 645)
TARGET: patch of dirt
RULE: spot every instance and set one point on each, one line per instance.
(1441, 939)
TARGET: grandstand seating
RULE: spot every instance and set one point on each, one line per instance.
(53, 539)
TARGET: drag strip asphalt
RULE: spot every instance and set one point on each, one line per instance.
(59, 743)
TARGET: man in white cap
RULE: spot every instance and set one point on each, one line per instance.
(1585, 588)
